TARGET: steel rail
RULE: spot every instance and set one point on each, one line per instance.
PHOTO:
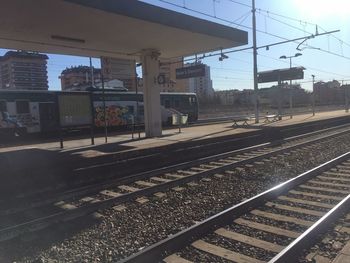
(310, 236)
(172, 244)
(78, 192)
(39, 223)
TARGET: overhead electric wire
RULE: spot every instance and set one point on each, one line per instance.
(240, 3)
(286, 24)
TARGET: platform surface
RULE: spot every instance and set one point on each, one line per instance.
(171, 136)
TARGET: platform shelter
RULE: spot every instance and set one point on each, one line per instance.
(114, 28)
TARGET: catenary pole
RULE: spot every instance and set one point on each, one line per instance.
(255, 66)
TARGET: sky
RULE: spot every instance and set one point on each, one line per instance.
(327, 57)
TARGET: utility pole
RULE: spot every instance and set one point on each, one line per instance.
(255, 67)
(313, 95)
(92, 73)
(290, 82)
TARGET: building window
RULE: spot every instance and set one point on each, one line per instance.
(3, 106)
(22, 106)
(177, 103)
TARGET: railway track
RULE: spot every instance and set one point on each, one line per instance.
(82, 202)
(274, 226)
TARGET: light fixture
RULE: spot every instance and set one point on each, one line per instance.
(283, 57)
(222, 56)
(68, 39)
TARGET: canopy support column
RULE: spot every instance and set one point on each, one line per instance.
(151, 93)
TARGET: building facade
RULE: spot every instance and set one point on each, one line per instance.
(202, 86)
(167, 69)
(21, 70)
(328, 92)
(78, 78)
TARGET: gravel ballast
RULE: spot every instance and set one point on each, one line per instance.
(118, 234)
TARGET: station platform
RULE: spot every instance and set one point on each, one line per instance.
(125, 142)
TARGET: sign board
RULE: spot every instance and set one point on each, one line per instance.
(74, 109)
(121, 69)
(190, 72)
(281, 74)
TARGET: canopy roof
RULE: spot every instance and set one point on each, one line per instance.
(113, 28)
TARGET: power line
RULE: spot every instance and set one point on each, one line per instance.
(286, 17)
(286, 24)
(347, 44)
(239, 3)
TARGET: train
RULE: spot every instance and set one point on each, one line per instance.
(49, 111)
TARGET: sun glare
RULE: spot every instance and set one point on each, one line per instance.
(323, 8)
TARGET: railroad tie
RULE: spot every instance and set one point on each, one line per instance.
(333, 178)
(337, 174)
(160, 194)
(267, 228)
(319, 196)
(160, 179)
(110, 193)
(128, 188)
(249, 240)
(295, 209)
(335, 191)
(65, 206)
(329, 184)
(178, 189)
(223, 252)
(175, 259)
(175, 176)
(145, 184)
(282, 218)
(87, 199)
(142, 200)
(305, 202)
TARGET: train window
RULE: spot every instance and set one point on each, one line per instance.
(131, 109)
(190, 100)
(176, 103)
(141, 110)
(3, 106)
(22, 106)
(167, 103)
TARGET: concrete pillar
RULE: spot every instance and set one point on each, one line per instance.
(151, 93)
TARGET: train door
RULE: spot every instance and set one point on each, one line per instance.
(48, 117)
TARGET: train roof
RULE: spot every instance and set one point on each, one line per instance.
(88, 92)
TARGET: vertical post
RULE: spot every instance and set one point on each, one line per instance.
(132, 126)
(104, 108)
(313, 95)
(346, 89)
(179, 119)
(137, 100)
(255, 66)
(92, 73)
(151, 92)
(92, 126)
(92, 135)
(290, 92)
(61, 138)
(279, 97)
